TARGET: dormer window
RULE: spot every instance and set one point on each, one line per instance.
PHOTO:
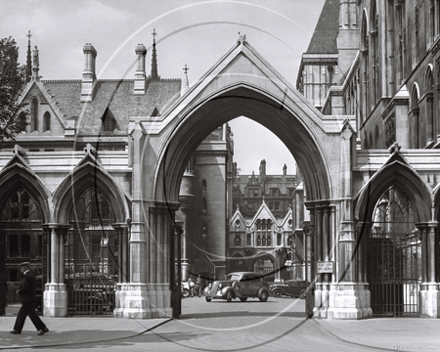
(108, 121)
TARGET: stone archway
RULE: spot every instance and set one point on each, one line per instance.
(241, 84)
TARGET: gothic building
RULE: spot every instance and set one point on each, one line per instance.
(99, 180)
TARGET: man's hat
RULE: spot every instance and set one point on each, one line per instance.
(24, 264)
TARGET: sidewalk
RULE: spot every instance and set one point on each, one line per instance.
(395, 334)
(64, 331)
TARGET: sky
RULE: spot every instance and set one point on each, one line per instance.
(192, 33)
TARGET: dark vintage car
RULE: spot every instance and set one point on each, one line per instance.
(291, 288)
(240, 285)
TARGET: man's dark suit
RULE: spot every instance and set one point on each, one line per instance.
(28, 297)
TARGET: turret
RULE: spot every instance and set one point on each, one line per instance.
(89, 76)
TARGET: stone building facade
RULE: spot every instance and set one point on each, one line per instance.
(101, 164)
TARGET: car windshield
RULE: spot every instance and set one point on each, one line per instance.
(233, 277)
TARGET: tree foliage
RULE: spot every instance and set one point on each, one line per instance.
(11, 83)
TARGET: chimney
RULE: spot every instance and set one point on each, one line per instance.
(89, 76)
(285, 170)
(263, 167)
(140, 75)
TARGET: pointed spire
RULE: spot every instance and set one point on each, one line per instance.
(29, 60)
(154, 75)
(185, 82)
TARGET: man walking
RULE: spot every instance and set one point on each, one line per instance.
(28, 297)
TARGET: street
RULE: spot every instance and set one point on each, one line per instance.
(276, 325)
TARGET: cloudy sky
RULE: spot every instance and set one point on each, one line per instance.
(193, 33)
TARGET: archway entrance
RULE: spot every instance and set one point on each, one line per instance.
(91, 256)
(394, 258)
(266, 266)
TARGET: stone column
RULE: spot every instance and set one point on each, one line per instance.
(122, 231)
(55, 293)
(429, 293)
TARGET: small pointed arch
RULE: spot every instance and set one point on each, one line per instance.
(377, 143)
(396, 172)
(415, 129)
(34, 105)
(22, 121)
(429, 79)
(204, 185)
(46, 121)
(17, 176)
(364, 31)
(80, 180)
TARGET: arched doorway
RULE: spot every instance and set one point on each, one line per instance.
(265, 265)
(394, 258)
(91, 255)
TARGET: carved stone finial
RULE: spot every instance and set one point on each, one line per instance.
(89, 149)
(241, 38)
(394, 148)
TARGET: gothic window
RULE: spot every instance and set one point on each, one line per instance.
(22, 121)
(429, 90)
(279, 239)
(249, 239)
(204, 185)
(20, 207)
(237, 240)
(258, 241)
(365, 67)
(34, 114)
(46, 121)
(390, 131)
(414, 120)
(269, 240)
(431, 21)
(376, 55)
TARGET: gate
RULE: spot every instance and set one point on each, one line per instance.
(91, 257)
(394, 273)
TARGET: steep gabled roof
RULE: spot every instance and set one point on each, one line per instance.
(324, 37)
(117, 95)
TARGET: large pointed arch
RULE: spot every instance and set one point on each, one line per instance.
(80, 179)
(254, 102)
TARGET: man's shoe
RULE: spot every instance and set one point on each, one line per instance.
(15, 332)
(43, 331)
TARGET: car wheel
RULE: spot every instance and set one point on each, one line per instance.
(277, 293)
(302, 294)
(243, 299)
(207, 299)
(229, 296)
(185, 292)
(264, 295)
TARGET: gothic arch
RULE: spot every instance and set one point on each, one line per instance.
(78, 181)
(227, 103)
(17, 175)
(406, 179)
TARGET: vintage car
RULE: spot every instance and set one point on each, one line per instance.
(291, 288)
(240, 285)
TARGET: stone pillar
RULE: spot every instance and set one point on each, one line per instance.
(429, 293)
(55, 294)
(122, 231)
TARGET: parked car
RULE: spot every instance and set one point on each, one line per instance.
(291, 288)
(240, 285)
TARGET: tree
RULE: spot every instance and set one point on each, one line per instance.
(11, 83)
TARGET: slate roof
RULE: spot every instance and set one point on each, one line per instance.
(117, 95)
(324, 37)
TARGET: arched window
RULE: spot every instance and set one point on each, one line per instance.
(46, 121)
(375, 37)
(365, 46)
(34, 114)
(415, 128)
(279, 239)
(22, 121)
(249, 239)
(429, 90)
(204, 185)
(377, 143)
